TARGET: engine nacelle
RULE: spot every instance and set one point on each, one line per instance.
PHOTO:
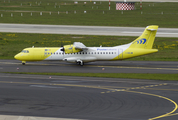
(70, 49)
(71, 60)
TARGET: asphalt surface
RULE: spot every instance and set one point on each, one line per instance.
(93, 67)
(44, 97)
(87, 98)
(84, 30)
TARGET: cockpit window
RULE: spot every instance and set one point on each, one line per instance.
(25, 51)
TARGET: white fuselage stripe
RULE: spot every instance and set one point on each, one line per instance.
(100, 53)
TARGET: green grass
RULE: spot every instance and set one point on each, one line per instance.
(112, 75)
(151, 14)
(13, 43)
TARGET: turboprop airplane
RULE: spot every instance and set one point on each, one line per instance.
(80, 54)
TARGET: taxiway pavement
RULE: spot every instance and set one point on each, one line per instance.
(93, 67)
(40, 97)
(84, 30)
(44, 97)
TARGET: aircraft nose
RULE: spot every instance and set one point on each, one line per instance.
(16, 56)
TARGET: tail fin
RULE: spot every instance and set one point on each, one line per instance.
(147, 38)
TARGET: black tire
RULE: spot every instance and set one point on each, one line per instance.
(81, 63)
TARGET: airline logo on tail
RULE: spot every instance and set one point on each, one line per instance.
(141, 41)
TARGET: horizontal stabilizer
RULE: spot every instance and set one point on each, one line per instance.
(152, 29)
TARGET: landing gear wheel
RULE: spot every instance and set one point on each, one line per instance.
(81, 63)
(23, 62)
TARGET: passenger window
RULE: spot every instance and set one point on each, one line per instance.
(100, 52)
(103, 52)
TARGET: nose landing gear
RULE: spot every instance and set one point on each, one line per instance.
(23, 62)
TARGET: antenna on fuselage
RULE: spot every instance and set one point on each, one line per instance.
(61, 43)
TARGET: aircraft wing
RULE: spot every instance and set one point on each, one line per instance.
(80, 46)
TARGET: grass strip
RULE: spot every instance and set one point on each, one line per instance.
(171, 77)
(64, 12)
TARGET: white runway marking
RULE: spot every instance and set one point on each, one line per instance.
(84, 30)
(20, 118)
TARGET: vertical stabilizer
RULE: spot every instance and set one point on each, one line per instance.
(145, 41)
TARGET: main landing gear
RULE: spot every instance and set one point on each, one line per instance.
(81, 63)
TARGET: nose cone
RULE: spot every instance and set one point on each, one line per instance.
(17, 57)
